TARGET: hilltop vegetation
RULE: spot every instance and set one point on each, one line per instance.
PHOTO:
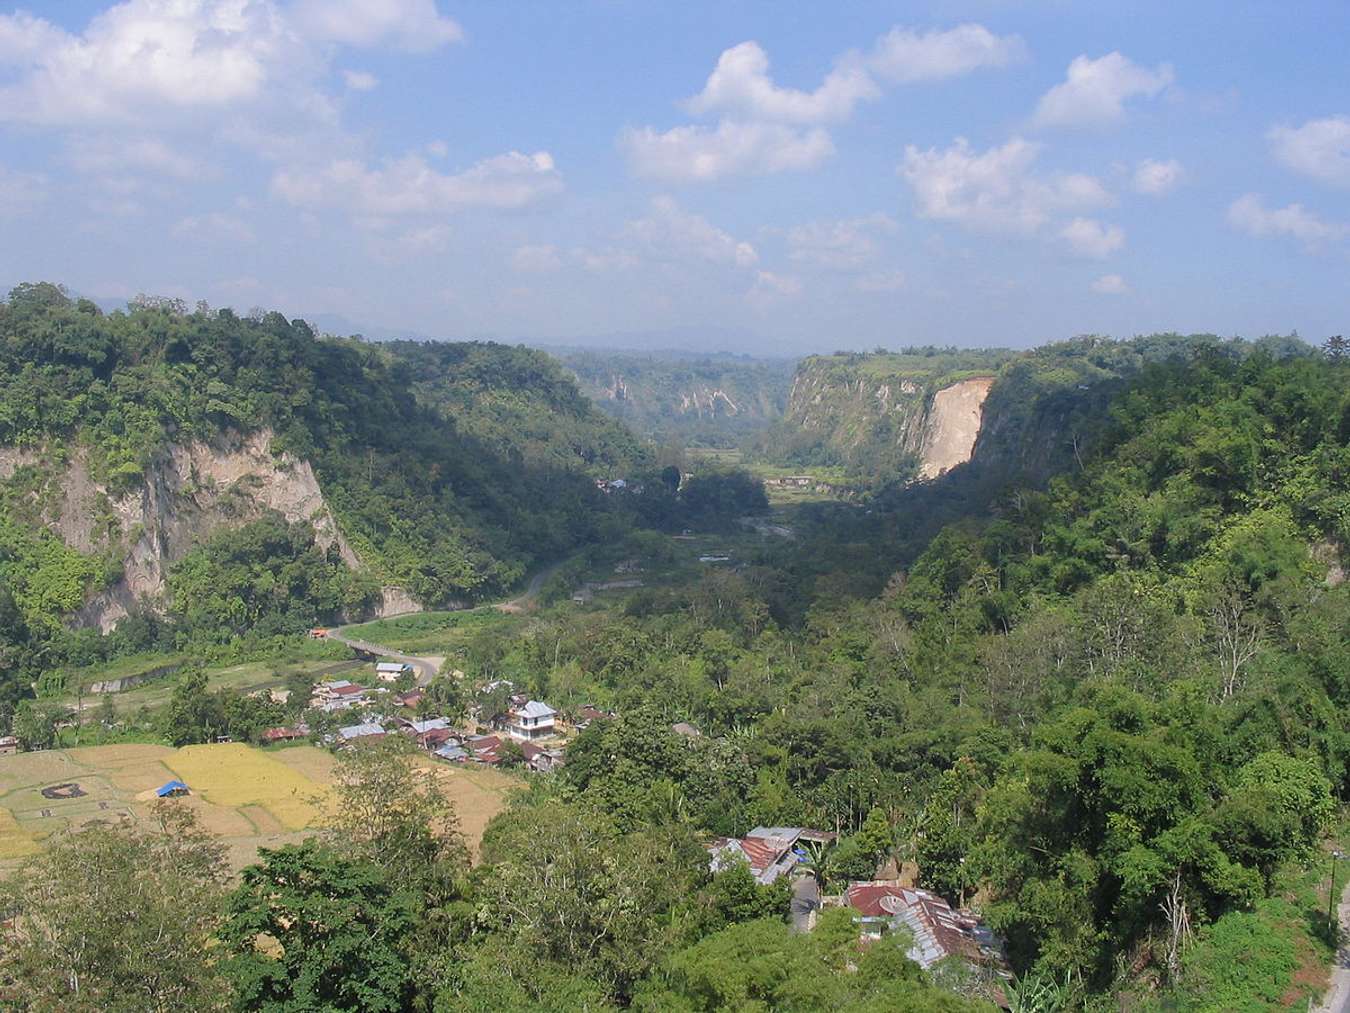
(1092, 701)
(519, 402)
(450, 500)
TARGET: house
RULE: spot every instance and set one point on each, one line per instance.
(453, 752)
(430, 734)
(484, 748)
(172, 789)
(283, 733)
(369, 731)
(390, 671)
(338, 689)
(938, 931)
(587, 714)
(769, 851)
(411, 698)
(8, 744)
(530, 720)
(540, 759)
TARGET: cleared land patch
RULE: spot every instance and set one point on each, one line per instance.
(247, 797)
(244, 796)
(478, 794)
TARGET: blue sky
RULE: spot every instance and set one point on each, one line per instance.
(761, 177)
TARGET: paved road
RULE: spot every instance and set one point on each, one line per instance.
(1337, 999)
(426, 667)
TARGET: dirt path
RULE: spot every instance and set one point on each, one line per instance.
(531, 592)
(428, 665)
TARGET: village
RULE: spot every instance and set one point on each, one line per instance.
(509, 730)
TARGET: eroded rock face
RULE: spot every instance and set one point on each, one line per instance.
(953, 425)
(190, 491)
(939, 428)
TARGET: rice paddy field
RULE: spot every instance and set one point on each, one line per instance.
(247, 797)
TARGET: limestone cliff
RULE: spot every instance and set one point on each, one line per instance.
(189, 491)
(881, 417)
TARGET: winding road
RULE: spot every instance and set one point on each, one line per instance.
(427, 666)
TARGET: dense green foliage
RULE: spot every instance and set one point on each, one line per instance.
(1091, 701)
(112, 920)
(1093, 682)
(519, 402)
(441, 511)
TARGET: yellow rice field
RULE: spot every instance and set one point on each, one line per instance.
(247, 797)
(232, 774)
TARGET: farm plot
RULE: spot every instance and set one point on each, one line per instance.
(245, 797)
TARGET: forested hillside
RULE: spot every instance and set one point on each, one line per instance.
(129, 439)
(871, 413)
(1110, 707)
(684, 399)
(519, 402)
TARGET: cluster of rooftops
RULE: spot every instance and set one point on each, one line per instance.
(938, 931)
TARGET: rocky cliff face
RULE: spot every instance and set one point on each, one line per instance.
(880, 424)
(952, 425)
(188, 492)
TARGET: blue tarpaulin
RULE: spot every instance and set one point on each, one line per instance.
(171, 788)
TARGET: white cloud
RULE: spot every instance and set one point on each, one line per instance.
(20, 192)
(840, 245)
(536, 259)
(995, 190)
(1249, 214)
(1157, 178)
(696, 154)
(412, 25)
(1110, 284)
(409, 186)
(1319, 148)
(1088, 237)
(903, 55)
(766, 128)
(1095, 91)
(216, 226)
(418, 242)
(881, 281)
(112, 153)
(142, 58)
(671, 233)
(360, 80)
(740, 86)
